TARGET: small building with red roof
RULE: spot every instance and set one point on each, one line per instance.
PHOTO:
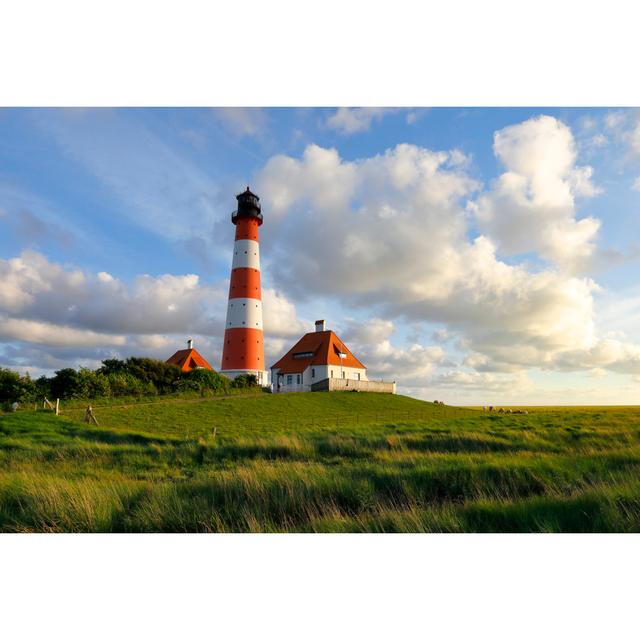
(318, 356)
(189, 359)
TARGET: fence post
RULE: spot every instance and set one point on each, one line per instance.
(57, 406)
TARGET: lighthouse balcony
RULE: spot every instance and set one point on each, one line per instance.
(236, 215)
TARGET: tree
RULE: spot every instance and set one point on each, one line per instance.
(68, 383)
(112, 365)
(10, 386)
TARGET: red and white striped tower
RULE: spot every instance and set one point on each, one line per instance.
(243, 350)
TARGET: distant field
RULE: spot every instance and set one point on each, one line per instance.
(319, 462)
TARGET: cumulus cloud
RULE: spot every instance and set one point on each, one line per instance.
(485, 382)
(531, 206)
(44, 303)
(410, 366)
(53, 335)
(281, 319)
(349, 120)
(614, 355)
(392, 233)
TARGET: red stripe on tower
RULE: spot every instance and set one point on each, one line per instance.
(243, 349)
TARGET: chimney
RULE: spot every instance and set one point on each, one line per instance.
(320, 325)
(190, 343)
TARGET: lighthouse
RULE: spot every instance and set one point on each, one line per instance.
(243, 349)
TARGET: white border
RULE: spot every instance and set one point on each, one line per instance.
(322, 586)
(286, 52)
(496, 52)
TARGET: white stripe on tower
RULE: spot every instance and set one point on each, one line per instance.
(246, 254)
(244, 313)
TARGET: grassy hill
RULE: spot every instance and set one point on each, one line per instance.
(319, 462)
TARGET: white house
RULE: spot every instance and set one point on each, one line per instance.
(317, 356)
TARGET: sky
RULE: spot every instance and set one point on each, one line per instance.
(473, 255)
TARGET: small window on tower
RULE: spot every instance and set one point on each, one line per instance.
(313, 372)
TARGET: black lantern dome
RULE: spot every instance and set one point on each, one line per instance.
(248, 207)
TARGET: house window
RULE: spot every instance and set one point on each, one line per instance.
(313, 372)
(332, 373)
(343, 374)
(358, 376)
(289, 379)
(298, 379)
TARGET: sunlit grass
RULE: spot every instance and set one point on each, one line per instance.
(320, 462)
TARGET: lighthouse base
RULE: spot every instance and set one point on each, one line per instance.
(264, 377)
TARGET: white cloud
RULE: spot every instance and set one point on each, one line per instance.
(636, 184)
(391, 233)
(53, 335)
(625, 128)
(280, 317)
(614, 355)
(485, 382)
(349, 120)
(410, 366)
(43, 303)
(531, 206)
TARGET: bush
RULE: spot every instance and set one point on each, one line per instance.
(162, 375)
(245, 381)
(126, 384)
(203, 380)
(94, 384)
(69, 383)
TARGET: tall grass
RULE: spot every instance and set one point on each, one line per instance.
(320, 462)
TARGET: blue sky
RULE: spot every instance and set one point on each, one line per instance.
(417, 233)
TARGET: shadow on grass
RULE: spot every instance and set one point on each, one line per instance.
(113, 437)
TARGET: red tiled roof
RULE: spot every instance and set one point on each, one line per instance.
(188, 359)
(323, 348)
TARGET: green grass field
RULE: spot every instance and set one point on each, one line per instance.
(337, 462)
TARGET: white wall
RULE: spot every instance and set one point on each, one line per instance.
(321, 372)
